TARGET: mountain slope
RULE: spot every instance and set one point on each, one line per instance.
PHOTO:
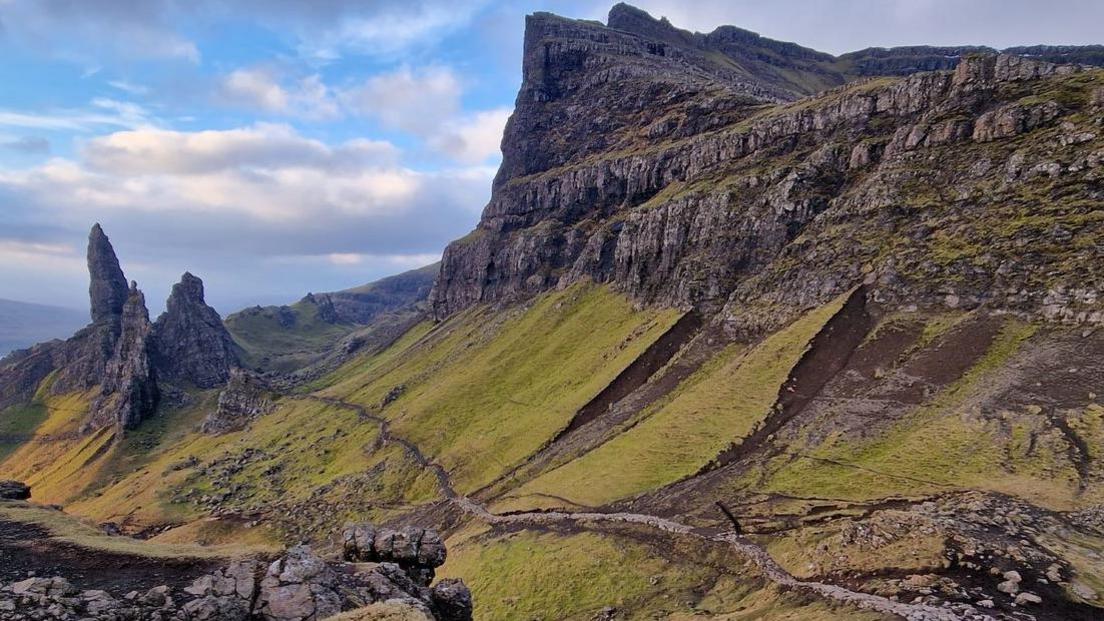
(285, 338)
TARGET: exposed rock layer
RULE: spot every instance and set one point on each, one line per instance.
(632, 159)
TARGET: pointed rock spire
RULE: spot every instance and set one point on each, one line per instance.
(108, 287)
(190, 340)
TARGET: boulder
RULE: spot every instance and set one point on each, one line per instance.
(14, 490)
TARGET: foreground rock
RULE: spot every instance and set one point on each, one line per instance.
(299, 586)
(14, 490)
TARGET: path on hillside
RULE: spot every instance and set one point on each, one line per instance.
(756, 553)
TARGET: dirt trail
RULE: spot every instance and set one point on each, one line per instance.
(756, 553)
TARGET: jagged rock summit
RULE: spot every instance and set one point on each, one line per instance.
(120, 358)
(190, 340)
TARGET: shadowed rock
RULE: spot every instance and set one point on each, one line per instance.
(108, 287)
(190, 341)
(129, 391)
(14, 490)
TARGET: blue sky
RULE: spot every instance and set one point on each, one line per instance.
(275, 147)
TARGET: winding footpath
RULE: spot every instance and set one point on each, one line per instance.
(753, 551)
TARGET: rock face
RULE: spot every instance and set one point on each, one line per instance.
(417, 550)
(244, 399)
(128, 392)
(297, 586)
(108, 286)
(633, 158)
(191, 343)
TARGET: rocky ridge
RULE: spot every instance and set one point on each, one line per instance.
(684, 192)
(191, 343)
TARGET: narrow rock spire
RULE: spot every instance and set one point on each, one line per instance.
(108, 289)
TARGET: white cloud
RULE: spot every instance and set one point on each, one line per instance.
(129, 87)
(262, 89)
(261, 147)
(102, 112)
(266, 176)
(416, 101)
(384, 29)
(43, 256)
(427, 103)
(475, 138)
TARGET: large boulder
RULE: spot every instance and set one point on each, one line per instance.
(14, 490)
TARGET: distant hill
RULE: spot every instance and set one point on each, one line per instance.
(284, 338)
(23, 324)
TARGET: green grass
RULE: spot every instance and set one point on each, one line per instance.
(69, 529)
(484, 391)
(715, 408)
(18, 422)
(528, 575)
(940, 446)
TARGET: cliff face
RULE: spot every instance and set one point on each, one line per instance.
(629, 160)
(190, 341)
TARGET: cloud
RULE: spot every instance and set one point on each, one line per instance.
(125, 28)
(262, 89)
(101, 112)
(263, 189)
(474, 138)
(29, 145)
(261, 147)
(416, 101)
(129, 87)
(426, 102)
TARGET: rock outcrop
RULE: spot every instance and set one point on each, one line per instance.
(108, 286)
(120, 357)
(417, 550)
(691, 188)
(14, 490)
(128, 392)
(244, 399)
(190, 341)
(297, 586)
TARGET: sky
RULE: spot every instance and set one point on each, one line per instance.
(276, 147)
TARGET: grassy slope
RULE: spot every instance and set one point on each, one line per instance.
(719, 405)
(944, 445)
(17, 422)
(484, 393)
(557, 575)
(70, 529)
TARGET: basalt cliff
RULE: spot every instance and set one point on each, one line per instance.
(670, 166)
